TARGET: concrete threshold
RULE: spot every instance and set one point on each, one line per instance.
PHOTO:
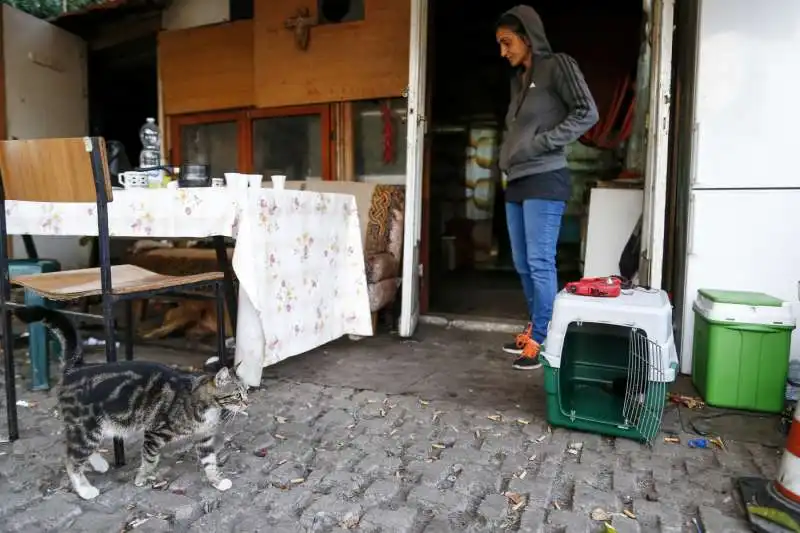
(475, 323)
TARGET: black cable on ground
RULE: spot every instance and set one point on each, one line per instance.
(693, 429)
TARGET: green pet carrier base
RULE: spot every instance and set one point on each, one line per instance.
(611, 382)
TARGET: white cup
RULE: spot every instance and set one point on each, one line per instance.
(236, 180)
(278, 181)
(254, 180)
(134, 180)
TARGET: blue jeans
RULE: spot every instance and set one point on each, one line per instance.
(533, 228)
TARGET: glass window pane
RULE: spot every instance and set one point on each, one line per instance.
(215, 145)
(369, 139)
(288, 145)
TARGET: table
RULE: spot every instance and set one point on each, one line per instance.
(298, 257)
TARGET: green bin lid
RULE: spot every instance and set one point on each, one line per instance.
(754, 299)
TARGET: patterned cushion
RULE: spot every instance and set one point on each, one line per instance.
(386, 201)
(396, 229)
(382, 293)
(381, 266)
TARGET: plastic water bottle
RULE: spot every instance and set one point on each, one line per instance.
(150, 156)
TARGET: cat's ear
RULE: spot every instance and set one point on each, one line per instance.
(223, 377)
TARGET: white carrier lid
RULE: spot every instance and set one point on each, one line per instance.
(742, 307)
(647, 310)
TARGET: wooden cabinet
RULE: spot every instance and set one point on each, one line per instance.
(206, 69)
(346, 61)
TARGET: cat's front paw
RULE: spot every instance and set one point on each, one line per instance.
(88, 492)
(222, 484)
(98, 463)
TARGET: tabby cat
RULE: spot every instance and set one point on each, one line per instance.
(115, 399)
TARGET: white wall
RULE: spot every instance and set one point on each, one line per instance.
(191, 13)
(743, 216)
(46, 96)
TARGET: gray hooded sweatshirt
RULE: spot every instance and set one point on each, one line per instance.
(550, 108)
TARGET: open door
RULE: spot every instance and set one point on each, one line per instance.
(415, 155)
(46, 95)
(655, 190)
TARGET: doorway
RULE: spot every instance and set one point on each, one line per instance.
(470, 269)
(123, 92)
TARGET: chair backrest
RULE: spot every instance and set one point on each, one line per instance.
(54, 170)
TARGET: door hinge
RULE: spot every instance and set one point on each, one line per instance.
(421, 270)
(405, 92)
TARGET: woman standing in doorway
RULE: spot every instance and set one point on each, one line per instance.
(551, 107)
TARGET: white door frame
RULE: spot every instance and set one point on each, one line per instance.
(417, 126)
(656, 165)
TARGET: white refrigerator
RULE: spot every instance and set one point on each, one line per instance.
(743, 216)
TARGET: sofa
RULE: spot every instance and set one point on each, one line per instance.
(381, 215)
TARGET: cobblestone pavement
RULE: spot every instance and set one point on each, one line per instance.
(321, 457)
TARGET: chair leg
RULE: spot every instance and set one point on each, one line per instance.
(227, 270)
(129, 330)
(108, 329)
(219, 300)
(11, 385)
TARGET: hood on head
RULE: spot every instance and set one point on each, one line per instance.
(533, 27)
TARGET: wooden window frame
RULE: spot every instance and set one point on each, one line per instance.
(245, 119)
(176, 122)
(324, 112)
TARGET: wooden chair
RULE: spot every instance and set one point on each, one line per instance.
(75, 170)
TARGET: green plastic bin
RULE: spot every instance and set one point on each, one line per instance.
(740, 349)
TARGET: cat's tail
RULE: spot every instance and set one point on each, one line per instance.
(62, 327)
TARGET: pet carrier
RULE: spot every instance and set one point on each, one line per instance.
(608, 362)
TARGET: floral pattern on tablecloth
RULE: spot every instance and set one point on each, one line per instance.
(51, 219)
(305, 272)
(146, 213)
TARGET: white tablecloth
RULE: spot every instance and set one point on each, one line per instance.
(298, 257)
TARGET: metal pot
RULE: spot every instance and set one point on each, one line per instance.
(193, 175)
